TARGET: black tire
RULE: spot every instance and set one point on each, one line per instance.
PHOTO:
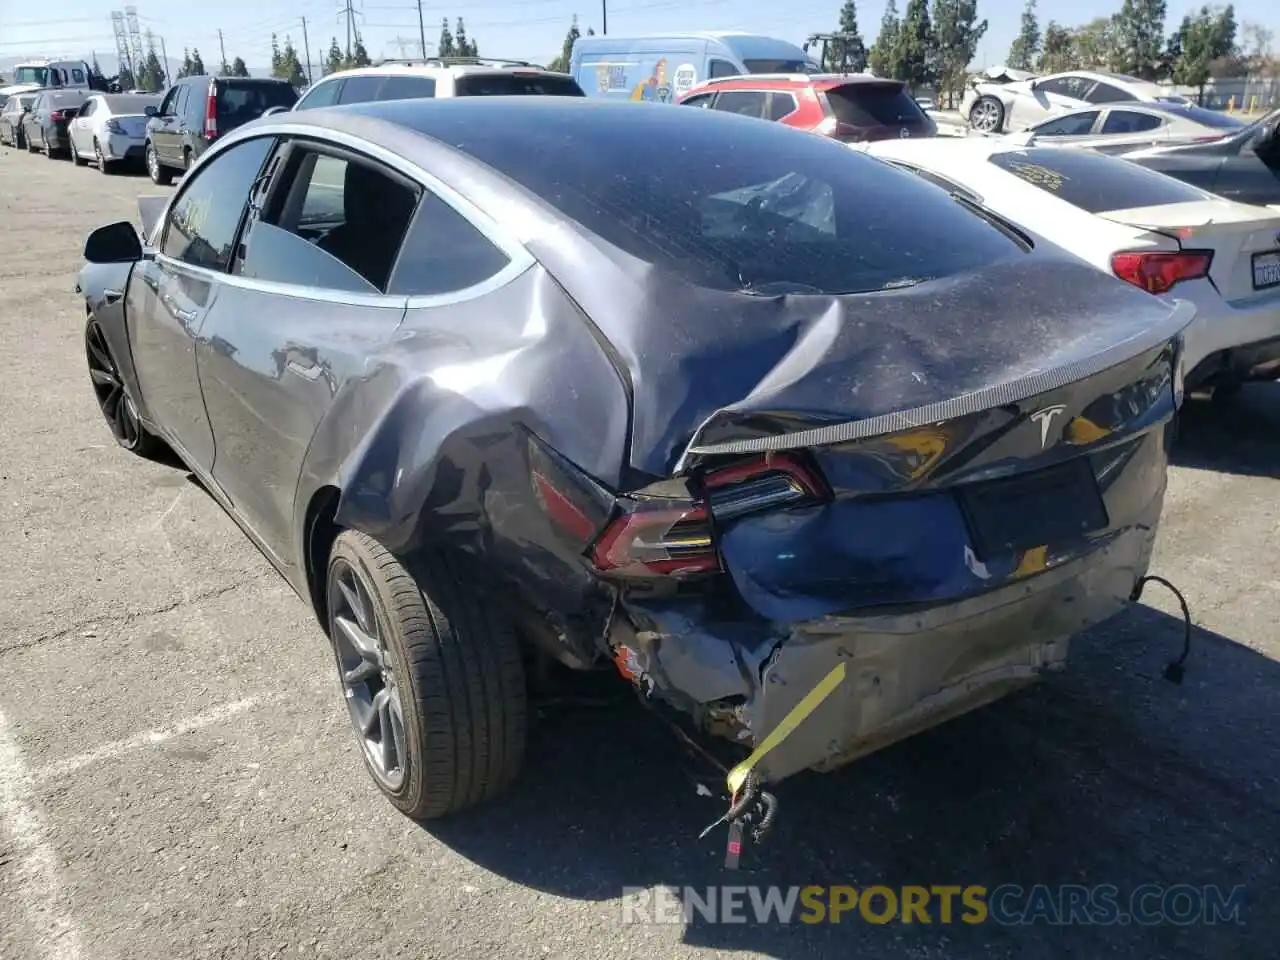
(456, 664)
(1225, 393)
(991, 107)
(78, 160)
(19, 141)
(104, 165)
(117, 406)
(160, 175)
(32, 148)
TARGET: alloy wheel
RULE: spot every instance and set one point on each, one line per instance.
(369, 677)
(984, 116)
(153, 163)
(113, 399)
(97, 156)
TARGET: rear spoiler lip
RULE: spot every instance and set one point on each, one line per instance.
(998, 394)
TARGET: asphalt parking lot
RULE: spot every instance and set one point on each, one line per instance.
(178, 779)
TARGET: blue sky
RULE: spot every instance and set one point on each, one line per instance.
(529, 29)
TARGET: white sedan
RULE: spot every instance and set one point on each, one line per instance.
(111, 128)
(1148, 229)
(993, 107)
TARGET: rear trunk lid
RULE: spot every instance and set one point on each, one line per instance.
(874, 110)
(1245, 241)
(133, 125)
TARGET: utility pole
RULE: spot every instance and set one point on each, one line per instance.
(604, 17)
(350, 14)
(164, 65)
(306, 49)
(422, 32)
(222, 47)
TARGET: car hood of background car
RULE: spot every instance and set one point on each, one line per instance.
(710, 369)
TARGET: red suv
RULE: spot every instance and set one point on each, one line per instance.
(846, 107)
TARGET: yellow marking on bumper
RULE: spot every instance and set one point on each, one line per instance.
(799, 713)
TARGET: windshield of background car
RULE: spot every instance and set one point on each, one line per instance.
(865, 104)
(124, 105)
(781, 66)
(38, 75)
(1095, 182)
(515, 84)
(730, 203)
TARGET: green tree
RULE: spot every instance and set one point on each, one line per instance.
(359, 55)
(446, 47)
(238, 68)
(1026, 46)
(561, 63)
(464, 46)
(291, 65)
(917, 45)
(153, 78)
(883, 57)
(1191, 50)
(197, 65)
(1059, 53)
(1095, 44)
(185, 69)
(957, 33)
(277, 58)
(847, 53)
(333, 60)
(1139, 38)
(124, 79)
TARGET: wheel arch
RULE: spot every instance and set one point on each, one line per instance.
(320, 529)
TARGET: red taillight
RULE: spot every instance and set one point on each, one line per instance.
(58, 116)
(658, 537)
(1157, 272)
(211, 114)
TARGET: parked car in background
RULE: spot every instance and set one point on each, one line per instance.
(438, 78)
(11, 116)
(1244, 165)
(500, 378)
(45, 127)
(1125, 127)
(664, 68)
(1157, 233)
(33, 75)
(846, 107)
(197, 110)
(995, 107)
(111, 128)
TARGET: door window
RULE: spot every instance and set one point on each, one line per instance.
(180, 101)
(407, 88)
(749, 103)
(1075, 87)
(781, 105)
(77, 75)
(702, 100)
(167, 106)
(1130, 121)
(1072, 125)
(202, 224)
(722, 68)
(443, 253)
(332, 207)
(323, 95)
(360, 89)
(1106, 93)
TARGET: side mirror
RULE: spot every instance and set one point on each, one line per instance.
(115, 243)
(149, 111)
(1033, 83)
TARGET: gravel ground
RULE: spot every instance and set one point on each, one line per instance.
(177, 778)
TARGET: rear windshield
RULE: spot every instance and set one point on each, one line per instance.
(246, 96)
(1209, 118)
(740, 205)
(874, 104)
(516, 84)
(124, 104)
(781, 66)
(1093, 181)
(63, 99)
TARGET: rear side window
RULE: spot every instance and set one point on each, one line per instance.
(443, 253)
(723, 68)
(360, 89)
(781, 105)
(748, 103)
(516, 84)
(1106, 93)
(406, 88)
(1129, 121)
(1072, 125)
(1210, 118)
(874, 104)
(790, 213)
(1095, 182)
(202, 224)
(322, 95)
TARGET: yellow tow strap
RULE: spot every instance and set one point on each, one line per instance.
(799, 713)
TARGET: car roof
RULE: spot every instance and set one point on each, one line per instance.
(821, 81)
(427, 67)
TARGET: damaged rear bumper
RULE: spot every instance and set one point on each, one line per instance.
(906, 669)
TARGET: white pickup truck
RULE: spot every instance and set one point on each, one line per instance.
(42, 74)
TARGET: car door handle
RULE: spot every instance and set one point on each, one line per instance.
(311, 372)
(186, 316)
(111, 296)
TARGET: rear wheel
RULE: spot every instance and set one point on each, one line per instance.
(160, 175)
(118, 408)
(75, 156)
(104, 165)
(432, 676)
(19, 141)
(987, 115)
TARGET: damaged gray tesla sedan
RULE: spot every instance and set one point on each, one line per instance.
(804, 446)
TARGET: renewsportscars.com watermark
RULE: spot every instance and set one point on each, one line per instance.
(1008, 904)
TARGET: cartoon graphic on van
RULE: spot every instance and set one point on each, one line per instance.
(655, 88)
